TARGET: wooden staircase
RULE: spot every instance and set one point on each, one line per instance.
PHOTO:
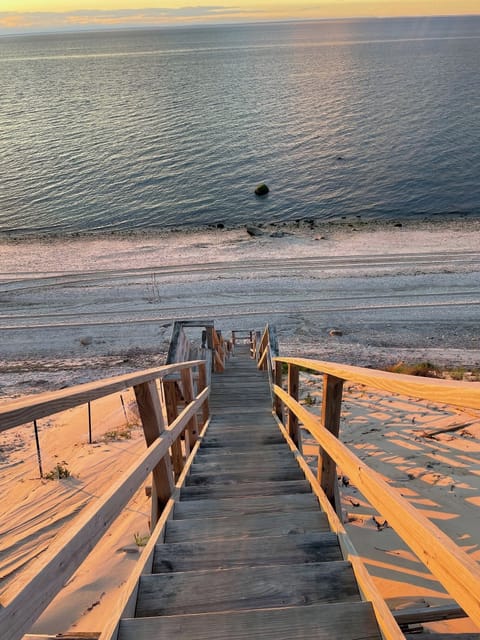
(248, 553)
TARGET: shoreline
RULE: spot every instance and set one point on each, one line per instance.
(79, 308)
(339, 223)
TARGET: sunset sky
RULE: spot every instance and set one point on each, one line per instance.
(17, 16)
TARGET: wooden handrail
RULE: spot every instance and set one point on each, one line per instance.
(458, 394)
(458, 573)
(45, 577)
(40, 405)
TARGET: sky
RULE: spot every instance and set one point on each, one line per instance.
(24, 16)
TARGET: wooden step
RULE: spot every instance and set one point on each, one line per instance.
(342, 621)
(225, 453)
(224, 507)
(251, 465)
(245, 490)
(195, 529)
(224, 554)
(263, 475)
(245, 588)
(242, 441)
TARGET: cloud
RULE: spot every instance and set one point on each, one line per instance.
(18, 22)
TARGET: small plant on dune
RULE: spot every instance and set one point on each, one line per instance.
(118, 434)
(458, 373)
(140, 540)
(309, 400)
(426, 369)
(58, 472)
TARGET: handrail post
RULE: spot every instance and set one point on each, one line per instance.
(331, 411)
(277, 403)
(292, 424)
(170, 394)
(191, 432)
(150, 410)
(203, 384)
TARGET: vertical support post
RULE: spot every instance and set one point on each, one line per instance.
(258, 338)
(37, 442)
(191, 432)
(89, 423)
(202, 384)
(150, 410)
(292, 424)
(170, 395)
(331, 411)
(277, 405)
(124, 408)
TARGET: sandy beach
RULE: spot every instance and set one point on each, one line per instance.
(82, 308)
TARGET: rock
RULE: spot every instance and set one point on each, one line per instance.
(254, 231)
(220, 225)
(86, 340)
(335, 332)
(398, 224)
(261, 189)
(129, 548)
(279, 234)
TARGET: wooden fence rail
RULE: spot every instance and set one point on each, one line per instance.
(46, 575)
(455, 569)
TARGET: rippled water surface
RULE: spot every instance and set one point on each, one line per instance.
(152, 129)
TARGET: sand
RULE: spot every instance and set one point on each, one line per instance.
(82, 308)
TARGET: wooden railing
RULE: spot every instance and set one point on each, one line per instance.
(456, 570)
(46, 575)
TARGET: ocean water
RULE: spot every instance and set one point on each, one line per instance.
(124, 130)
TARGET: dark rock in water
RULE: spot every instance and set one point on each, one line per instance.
(220, 225)
(339, 157)
(398, 224)
(254, 231)
(261, 190)
(335, 332)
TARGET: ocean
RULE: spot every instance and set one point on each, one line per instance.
(174, 127)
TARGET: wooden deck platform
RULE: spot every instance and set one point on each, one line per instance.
(248, 552)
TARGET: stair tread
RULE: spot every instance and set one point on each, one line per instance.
(245, 526)
(244, 489)
(247, 475)
(280, 449)
(342, 621)
(222, 507)
(252, 462)
(245, 588)
(194, 556)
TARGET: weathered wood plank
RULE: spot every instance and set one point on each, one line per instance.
(272, 451)
(455, 569)
(247, 464)
(244, 476)
(240, 440)
(222, 554)
(47, 575)
(41, 405)
(151, 416)
(458, 394)
(292, 420)
(235, 506)
(245, 489)
(245, 526)
(345, 621)
(245, 588)
(331, 410)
